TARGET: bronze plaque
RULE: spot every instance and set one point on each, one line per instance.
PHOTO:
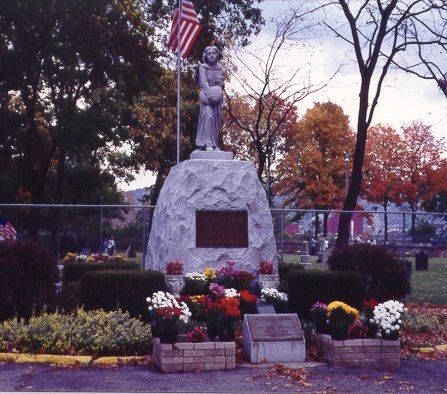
(221, 229)
(274, 328)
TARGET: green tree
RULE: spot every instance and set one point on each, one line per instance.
(71, 70)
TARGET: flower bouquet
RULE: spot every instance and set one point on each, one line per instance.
(166, 313)
(196, 283)
(230, 277)
(222, 312)
(266, 268)
(174, 267)
(340, 317)
(247, 301)
(388, 316)
(276, 298)
(318, 313)
(196, 335)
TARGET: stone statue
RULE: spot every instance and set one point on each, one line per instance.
(210, 78)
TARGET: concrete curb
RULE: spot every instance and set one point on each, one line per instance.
(430, 349)
(21, 358)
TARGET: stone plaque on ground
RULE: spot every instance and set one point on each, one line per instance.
(221, 229)
(273, 338)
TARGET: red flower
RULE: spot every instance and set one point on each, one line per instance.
(247, 297)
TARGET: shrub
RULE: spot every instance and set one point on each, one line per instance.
(127, 290)
(73, 272)
(305, 288)
(284, 270)
(28, 272)
(95, 333)
(383, 276)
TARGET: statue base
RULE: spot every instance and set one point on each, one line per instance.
(211, 155)
(210, 212)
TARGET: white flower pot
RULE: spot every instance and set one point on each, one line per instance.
(268, 281)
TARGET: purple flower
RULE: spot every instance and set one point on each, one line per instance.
(217, 290)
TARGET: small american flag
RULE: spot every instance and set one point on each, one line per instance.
(189, 29)
(7, 231)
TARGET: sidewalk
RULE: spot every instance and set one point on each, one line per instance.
(414, 376)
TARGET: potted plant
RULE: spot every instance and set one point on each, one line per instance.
(166, 314)
(319, 317)
(222, 310)
(174, 276)
(266, 275)
(340, 317)
(388, 317)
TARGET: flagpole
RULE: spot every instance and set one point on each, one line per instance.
(179, 65)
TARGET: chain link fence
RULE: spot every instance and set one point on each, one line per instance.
(84, 229)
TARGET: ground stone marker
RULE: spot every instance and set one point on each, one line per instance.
(273, 338)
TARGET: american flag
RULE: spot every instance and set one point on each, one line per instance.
(7, 231)
(189, 29)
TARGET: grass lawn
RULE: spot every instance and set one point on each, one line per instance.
(426, 286)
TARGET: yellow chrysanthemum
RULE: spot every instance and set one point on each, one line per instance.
(209, 273)
(346, 308)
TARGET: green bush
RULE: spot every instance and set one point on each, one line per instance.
(383, 276)
(73, 272)
(114, 289)
(284, 270)
(28, 273)
(305, 288)
(95, 333)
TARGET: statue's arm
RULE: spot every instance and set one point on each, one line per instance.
(203, 82)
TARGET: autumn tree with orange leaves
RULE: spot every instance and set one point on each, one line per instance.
(383, 159)
(312, 169)
(419, 173)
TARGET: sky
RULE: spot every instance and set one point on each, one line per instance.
(404, 98)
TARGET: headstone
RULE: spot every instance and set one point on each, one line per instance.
(421, 261)
(305, 259)
(273, 338)
(210, 212)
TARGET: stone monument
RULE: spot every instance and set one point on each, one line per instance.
(211, 208)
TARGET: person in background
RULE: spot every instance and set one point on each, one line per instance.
(111, 246)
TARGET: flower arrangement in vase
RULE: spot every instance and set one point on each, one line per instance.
(166, 314)
(174, 276)
(340, 317)
(266, 275)
(388, 316)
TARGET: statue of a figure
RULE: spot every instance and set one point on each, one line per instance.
(210, 78)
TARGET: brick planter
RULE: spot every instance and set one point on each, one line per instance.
(188, 357)
(360, 353)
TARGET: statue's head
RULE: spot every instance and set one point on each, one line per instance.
(207, 51)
